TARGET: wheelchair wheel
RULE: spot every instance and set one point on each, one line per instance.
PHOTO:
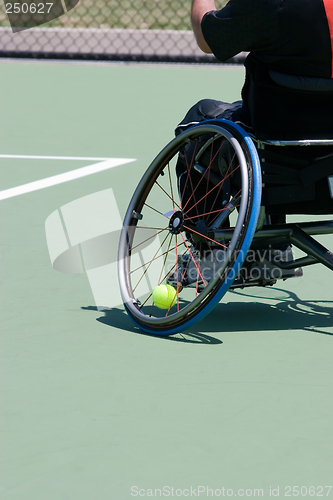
(172, 217)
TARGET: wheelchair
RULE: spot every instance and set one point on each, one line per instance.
(233, 212)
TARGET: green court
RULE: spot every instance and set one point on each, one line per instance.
(91, 407)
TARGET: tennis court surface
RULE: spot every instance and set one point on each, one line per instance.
(240, 405)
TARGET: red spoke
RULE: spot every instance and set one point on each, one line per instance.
(177, 293)
(150, 263)
(188, 174)
(167, 274)
(206, 237)
(210, 191)
(197, 283)
(225, 177)
(164, 261)
(211, 161)
(177, 290)
(204, 197)
(152, 307)
(208, 169)
(188, 248)
(209, 213)
(161, 282)
(202, 177)
(189, 177)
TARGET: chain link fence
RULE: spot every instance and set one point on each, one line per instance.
(127, 30)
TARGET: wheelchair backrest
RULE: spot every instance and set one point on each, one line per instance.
(288, 107)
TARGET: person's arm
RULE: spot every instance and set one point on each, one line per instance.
(199, 9)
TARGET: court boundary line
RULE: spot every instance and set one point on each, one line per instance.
(37, 157)
(71, 175)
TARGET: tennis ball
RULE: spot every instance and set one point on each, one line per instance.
(164, 296)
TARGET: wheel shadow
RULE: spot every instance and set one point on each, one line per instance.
(117, 318)
(290, 313)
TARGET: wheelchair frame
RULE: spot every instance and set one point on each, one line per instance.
(249, 228)
(297, 234)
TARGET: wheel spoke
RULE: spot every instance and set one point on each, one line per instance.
(188, 166)
(150, 237)
(206, 237)
(221, 182)
(170, 181)
(150, 263)
(171, 197)
(209, 213)
(226, 175)
(210, 163)
(196, 265)
(202, 177)
(150, 295)
(177, 290)
(155, 210)
(164, 261)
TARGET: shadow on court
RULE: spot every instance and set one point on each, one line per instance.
(281, 316)
(290, 314)
(118, 318)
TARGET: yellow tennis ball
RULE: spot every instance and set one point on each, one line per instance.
(164, 296)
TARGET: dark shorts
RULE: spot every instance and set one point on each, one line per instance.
(208, 109)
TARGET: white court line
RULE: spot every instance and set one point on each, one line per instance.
(65, 177)
(30, 157)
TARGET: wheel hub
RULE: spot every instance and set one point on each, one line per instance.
(176, 222)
